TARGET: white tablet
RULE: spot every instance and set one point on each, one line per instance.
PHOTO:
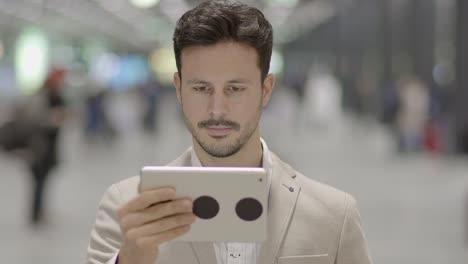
(230, 203)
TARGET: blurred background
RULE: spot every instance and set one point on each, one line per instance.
(372, 98)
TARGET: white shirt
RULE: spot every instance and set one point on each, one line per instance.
(232, 252)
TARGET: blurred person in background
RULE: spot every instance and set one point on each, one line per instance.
(296, 82)
(150, 91)
(323, 96)
(223, 52)
(45, 160)
(390, 104)
(32, 133)
(464, 140)
(412, 114)
(97, 123)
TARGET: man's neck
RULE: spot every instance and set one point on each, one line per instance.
(250, 155)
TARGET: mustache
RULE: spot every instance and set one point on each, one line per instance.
(220, 122)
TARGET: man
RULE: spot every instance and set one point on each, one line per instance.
(223, 54)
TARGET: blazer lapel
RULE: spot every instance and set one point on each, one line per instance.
(282, 200)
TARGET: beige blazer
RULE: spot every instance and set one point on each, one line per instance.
(308, 223)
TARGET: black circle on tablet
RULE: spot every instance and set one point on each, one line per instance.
(249, 209)
(205, 207)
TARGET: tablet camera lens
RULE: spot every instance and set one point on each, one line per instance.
(249, 209)
(205, 207)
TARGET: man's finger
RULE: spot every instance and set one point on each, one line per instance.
(164, 236)
(148, 198)
(157, 211)
(162, 225)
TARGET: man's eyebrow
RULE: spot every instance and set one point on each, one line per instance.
(233, 81)
(196, 81)
(239, 81)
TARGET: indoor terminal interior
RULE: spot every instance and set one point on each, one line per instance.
(371, 97)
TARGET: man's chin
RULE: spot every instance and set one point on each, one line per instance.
(221, 152)
(219, 146)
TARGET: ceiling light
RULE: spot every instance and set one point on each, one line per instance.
(31, 60)
(144, 3)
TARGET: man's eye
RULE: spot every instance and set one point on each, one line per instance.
(236, 88)
(200, 88)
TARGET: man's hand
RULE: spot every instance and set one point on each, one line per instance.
(149, 220)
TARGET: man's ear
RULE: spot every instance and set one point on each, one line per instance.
(177, 84)
(268, 85)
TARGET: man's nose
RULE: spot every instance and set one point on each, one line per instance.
(218, 106)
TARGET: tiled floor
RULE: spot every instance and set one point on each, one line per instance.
(412, 207)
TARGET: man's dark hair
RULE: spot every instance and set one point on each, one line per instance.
(216, 21)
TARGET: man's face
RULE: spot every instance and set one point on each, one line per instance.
(222, 95)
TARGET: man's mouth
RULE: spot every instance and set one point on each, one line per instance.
(219, 130)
